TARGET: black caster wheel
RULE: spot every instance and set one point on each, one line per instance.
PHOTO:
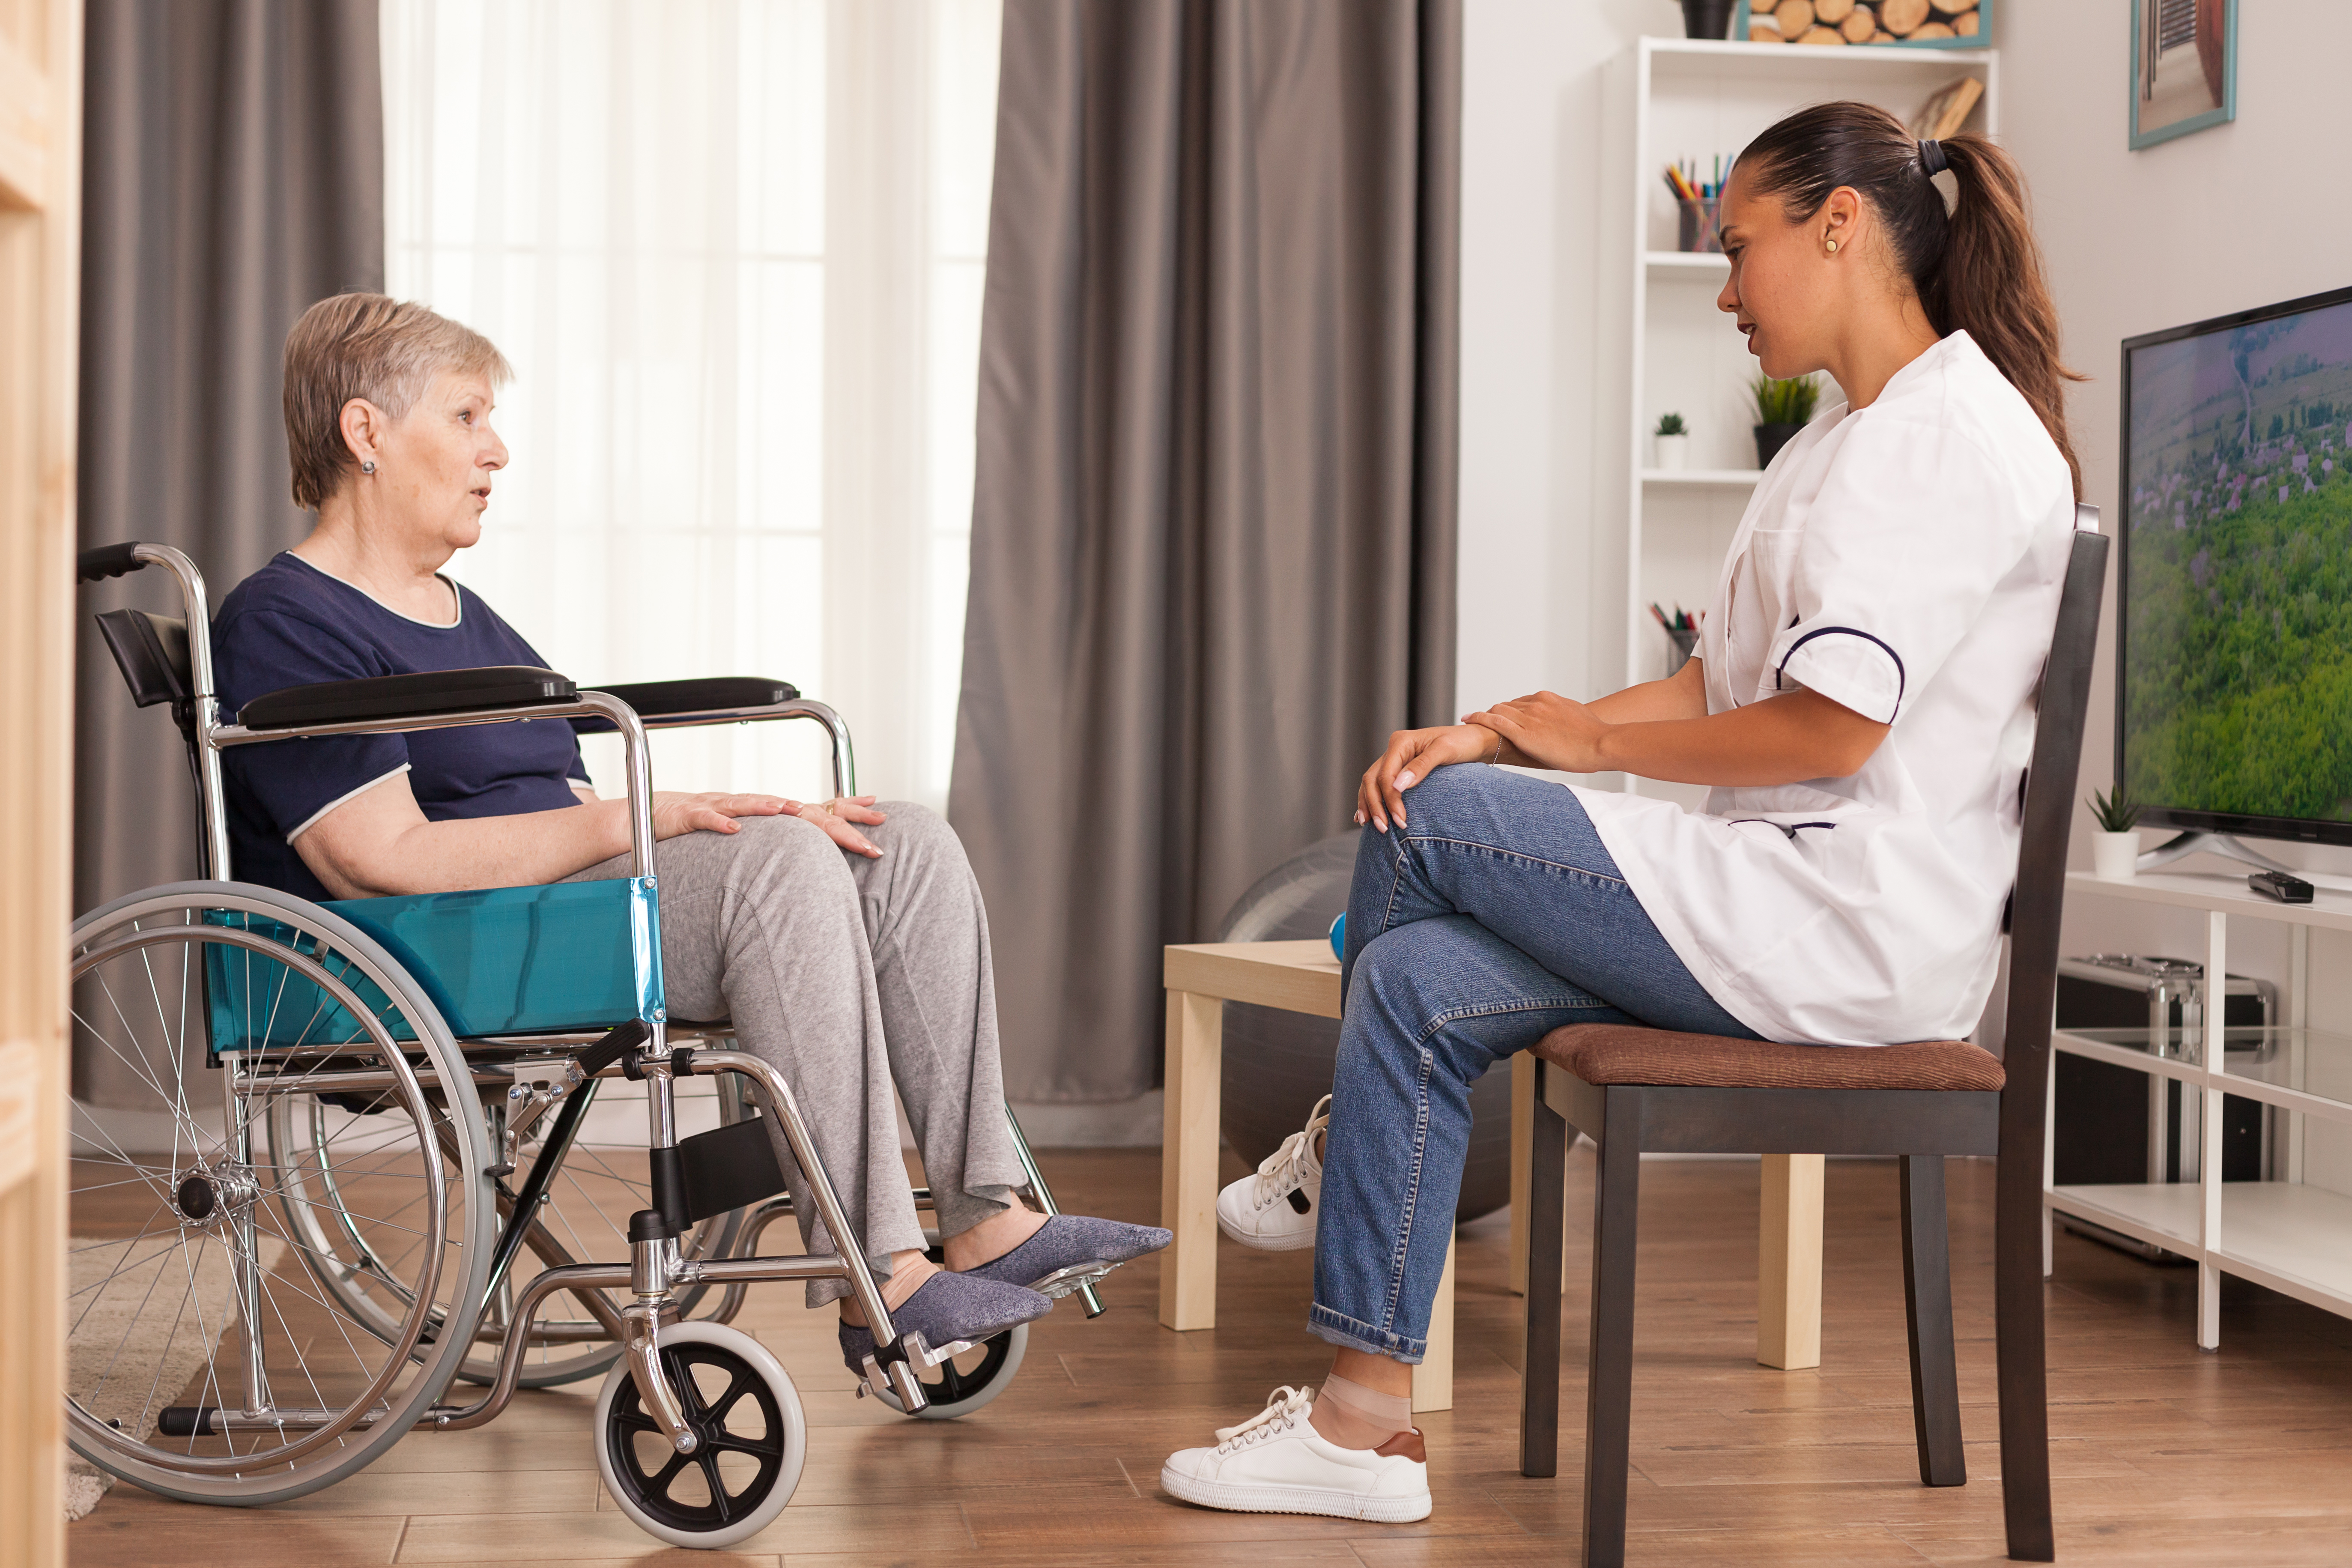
(754, 1438)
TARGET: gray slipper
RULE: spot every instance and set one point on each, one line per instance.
(1068, 1242)
(949, 1308)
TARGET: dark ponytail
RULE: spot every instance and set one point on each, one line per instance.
(1976, 270)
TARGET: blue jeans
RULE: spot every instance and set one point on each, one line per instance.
(1492, 917)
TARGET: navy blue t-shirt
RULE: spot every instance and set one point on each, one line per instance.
(290, 624)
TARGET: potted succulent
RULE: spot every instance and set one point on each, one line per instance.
(1674, 441)
(2114, 849)
(1782, 408)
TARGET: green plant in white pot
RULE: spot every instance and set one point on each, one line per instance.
(2114, 849)
(1673, 442)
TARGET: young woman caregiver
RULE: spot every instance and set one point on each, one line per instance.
(1862, 701)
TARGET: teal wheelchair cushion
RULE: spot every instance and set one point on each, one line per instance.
(494, 960)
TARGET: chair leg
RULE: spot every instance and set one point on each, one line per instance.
(1546, 1221)
(1927, 1298)
(2018, 1319)
(1609, 1375)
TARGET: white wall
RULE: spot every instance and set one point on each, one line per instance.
(1530, 188)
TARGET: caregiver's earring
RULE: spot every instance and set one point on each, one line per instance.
(369, 467)
(1831, 245)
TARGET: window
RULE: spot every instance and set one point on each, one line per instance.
(734, 249)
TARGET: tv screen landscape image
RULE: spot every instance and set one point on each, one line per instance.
(2234, 677)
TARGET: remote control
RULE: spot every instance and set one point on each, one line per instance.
(2278, 885)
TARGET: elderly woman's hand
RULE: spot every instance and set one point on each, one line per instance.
(675, 813)
(836, 817)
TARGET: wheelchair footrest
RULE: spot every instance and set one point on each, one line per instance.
(920, 1352)
(1076, 1277)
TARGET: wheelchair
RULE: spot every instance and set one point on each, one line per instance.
(356, 1178)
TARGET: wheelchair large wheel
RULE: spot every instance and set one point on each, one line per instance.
(203, 1361)
(584, 1219)
(753, 1440)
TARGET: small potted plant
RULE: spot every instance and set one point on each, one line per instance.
(1782, 408)
(2115, 850)
(1674, 441)
(1706, 18)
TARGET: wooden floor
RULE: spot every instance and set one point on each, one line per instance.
(2161, 1454)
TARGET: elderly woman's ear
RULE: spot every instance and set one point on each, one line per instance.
(362, 425)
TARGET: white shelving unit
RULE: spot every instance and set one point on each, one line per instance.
(1668, 347)
(2293, 1232)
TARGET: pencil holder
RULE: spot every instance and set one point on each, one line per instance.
(1699, 218)
(1683, 639)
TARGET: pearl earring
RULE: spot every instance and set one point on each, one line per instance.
(1831, 246)
(369, 467)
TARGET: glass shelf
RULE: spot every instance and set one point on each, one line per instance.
(2316, 1062)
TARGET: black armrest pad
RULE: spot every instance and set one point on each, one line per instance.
(407, 696)
(656, 699)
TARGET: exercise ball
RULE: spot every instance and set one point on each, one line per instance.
(1278, 1064)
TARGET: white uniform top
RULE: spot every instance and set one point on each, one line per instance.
(1904, 559)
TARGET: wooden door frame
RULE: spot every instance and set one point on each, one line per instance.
(40, 264)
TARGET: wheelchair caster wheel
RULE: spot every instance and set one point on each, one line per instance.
(961, 1384)
(753, 1440)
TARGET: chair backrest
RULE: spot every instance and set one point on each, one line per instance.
(2064, 706)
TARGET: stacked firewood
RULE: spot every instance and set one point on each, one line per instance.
(1862, 21)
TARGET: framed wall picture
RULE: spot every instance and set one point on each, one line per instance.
(2184, 67)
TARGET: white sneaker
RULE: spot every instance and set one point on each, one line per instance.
(1275, 1210)
(1277, 1463)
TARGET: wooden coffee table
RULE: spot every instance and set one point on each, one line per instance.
(1298, 977)
(1303, 977)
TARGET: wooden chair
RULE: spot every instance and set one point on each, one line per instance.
(1636, 1090)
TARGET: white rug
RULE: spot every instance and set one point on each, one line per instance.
(113, 1331)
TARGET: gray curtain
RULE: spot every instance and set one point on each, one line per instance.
(1212, 531)
(233, 173)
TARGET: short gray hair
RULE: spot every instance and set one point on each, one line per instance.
(367, 346)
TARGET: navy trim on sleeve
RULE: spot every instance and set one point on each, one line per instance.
(1788, 827)
(1901, 676)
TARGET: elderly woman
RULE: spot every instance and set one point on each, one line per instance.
(847, 940)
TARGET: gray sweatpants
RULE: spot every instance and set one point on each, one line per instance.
(850, 974)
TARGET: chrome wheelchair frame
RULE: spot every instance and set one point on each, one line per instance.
(537, 1083)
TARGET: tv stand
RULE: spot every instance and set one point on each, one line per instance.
(2229, 846)
(2291, 1231)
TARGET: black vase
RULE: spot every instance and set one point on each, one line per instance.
(1770, 439)
(1706, 18)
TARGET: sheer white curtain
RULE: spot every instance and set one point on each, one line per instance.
(735, 251)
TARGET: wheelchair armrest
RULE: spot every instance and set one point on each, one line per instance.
(415, 695)
(716, 697)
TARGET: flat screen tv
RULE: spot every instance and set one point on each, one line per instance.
(2233, 684)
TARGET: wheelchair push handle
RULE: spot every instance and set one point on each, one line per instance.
(107, 560)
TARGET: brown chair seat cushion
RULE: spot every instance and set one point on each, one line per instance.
(1626, 1053)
